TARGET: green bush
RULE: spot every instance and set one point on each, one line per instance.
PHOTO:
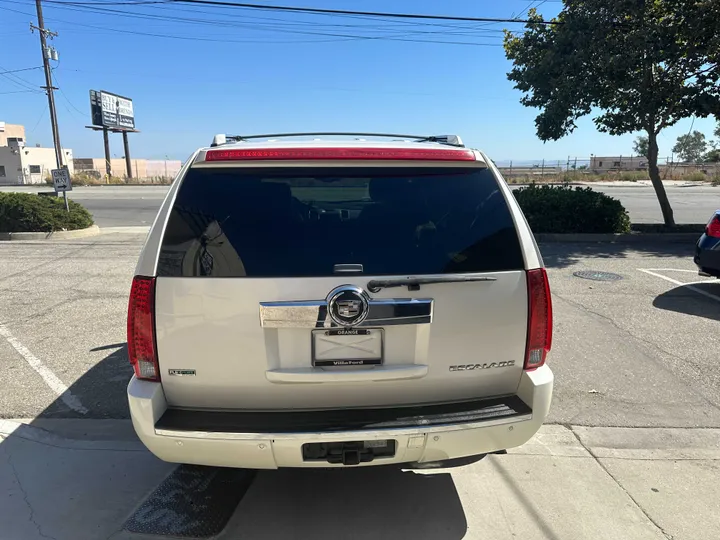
(633, 176)
(562, 209)
(85, 179)
(27, 212)
(695, 176)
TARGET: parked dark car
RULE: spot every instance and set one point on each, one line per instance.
(707, 250)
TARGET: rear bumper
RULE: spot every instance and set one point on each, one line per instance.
(221, 447)
(707, 255)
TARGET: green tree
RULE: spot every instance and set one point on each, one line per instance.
(641, 146)
(644, 65)
(713, 156)
(691, 147)
(717, 129)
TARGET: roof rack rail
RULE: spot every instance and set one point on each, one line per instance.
(451, 140)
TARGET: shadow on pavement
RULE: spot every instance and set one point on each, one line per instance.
(75, 476)
(686, 299)
(372, 503)
(101, 389)
(562, 255)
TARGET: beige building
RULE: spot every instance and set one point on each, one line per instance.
(141, 168)
(11, 131)
(618, 163)
(21, 164)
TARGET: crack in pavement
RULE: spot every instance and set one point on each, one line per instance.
(650, 344)
(617, 482)
(25, 496)
(27, 271)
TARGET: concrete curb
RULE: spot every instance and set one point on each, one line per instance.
(54, 235)
(139, 229)
(632, 238)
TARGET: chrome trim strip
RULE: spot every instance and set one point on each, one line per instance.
(314, 313)
(342, 435)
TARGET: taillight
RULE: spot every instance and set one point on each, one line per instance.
(390, 154)
(141, 329)
(713, 228)
(539, 335)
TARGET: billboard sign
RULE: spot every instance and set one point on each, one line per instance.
(111, 111)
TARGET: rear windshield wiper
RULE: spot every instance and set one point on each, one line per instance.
(413, 284)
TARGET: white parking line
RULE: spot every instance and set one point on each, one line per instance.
(671, 270)
(55, 384)
(686, 285)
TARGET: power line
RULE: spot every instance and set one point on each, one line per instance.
(400, 25)
(20, 82)
(341, 36)
(320, 11)
(54, 70)
(19, 92)
(530, 5)
(19, 70)
(42, 115)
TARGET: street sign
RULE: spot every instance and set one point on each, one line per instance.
(61, 180)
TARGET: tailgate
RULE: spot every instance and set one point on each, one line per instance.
(471, 344)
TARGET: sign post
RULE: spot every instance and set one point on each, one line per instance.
(62, 183)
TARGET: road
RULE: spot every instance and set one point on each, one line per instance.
(114, 206)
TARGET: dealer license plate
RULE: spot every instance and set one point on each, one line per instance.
(340, 347)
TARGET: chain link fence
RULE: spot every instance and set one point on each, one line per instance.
(144, 171)
(599, 168)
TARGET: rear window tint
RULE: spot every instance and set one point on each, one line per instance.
(302, 222)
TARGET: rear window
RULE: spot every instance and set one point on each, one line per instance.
(303, 222)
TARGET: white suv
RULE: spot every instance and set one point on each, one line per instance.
(315, 303)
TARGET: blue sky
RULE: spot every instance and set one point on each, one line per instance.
(259, 72)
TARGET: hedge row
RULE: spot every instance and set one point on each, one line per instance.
(27, 212)
(563, 209)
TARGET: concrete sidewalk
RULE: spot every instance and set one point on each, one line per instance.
(84, 479)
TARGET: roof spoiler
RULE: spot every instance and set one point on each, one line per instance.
(450, 140)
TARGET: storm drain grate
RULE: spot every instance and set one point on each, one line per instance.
(193, 502)
(596, 275)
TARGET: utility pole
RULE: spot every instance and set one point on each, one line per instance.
(49, 88)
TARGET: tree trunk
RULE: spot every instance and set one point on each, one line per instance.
(656, 180)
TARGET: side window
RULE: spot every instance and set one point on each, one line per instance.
(2, 171)
(35, 169)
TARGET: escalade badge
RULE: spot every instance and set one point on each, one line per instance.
(472, 367)
(348, 305)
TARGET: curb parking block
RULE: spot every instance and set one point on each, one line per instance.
(50, 235)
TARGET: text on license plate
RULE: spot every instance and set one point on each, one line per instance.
(347, 347)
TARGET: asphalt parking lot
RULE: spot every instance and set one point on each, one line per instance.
(631, 451)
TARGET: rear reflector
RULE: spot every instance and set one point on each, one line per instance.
(141, 329)
(713, 228)
(381, 154)
(539, 336)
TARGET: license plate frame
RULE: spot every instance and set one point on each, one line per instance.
(373, 357)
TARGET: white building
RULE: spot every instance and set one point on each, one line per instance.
(618, 163)
(20, 164)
